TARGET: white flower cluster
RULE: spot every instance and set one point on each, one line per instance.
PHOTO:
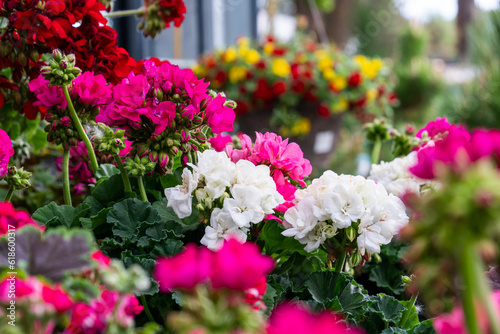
(333, 202)
(396, 177)
(246, 193)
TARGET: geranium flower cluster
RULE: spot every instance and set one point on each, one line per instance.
(359, 212)
(456, 151)
(36, 27)
(274, 74)
(285, 160)
(235, 195)
(395, 175)
(14, 218)
(165, 109)
(298, 319)
(158, 15)
(6, 152)
(216, 282)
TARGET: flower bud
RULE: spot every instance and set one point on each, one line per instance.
(351, 233)
(355, 259)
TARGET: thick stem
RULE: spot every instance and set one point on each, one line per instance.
(146, 308)
(377, 146)
(66, 185)
(406, 315)
(8, 197)
(339, 262)
(484, 292)
(81, 131)
(122, 13)
(142, 189)
(469, 279)
(123, 172)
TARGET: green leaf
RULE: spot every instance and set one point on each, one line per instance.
(129, 215)
(188, 224)
(97, 223)
(338, 292)
(275, 241)
(387, 307)
(160, 230)
(55, 215)
(394, 330)
(106, 193)
(171, 180)
(412, 320)
(168, 247)
(387, 276)
(51, 254)
(106, 171)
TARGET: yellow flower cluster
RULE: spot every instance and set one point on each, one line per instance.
(300, 128)
(369, 68)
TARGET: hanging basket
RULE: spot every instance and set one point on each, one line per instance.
(318, 145)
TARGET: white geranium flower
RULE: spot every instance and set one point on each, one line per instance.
(300, 219)
(222, 228)
(217, 170)
(180, 197)
(344, 206)
(371, 235)
(244, 207)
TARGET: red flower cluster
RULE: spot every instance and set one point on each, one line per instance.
(36, 27)
(158, 14)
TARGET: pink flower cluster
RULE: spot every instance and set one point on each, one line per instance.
(12, 217)
(454, 322)
(109, 307)
(285, 160)
(457, 149)
(88, 88)
(6, 151)
(435, 128)
(221, 269)
(160, 94)
(40, 297)
(298, 319)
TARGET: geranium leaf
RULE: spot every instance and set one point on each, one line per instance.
(51, 254)
(387, 307)
(128, 215)
(65, 215)
(106, 171)
(106, 193)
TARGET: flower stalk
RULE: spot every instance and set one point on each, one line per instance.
(406, 314)
(469, 279)
(81, 131)
(377, 147)
(8, 197)
(142, 189)
(122, 13)
(340, 261)
(65, 171)
(123, 173)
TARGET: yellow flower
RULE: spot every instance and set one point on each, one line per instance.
(340, 106)
(371, 94)
(301, 127)
(369, 68)
(242, 51)
(339, 82)
(320, 54)
(329, 74)
(243, 42)
(237, 73)
(281, 67)
(325, 63)
(252, 56)
(230, 55)
(200, 71)
(269, 48)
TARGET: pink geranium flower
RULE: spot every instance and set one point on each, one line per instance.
(298, 319)
(92, 89)
(6, 152)
(184, 270)
(48, 96)
(229, 272)
(12, 217)
(219, 142)
(434, 128)
(219, 117)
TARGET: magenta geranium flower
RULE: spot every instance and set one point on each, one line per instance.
(92, 89)
(434, 128)
(12, 217)
(48, 96)
(6, 152)
(184, 270)
(230, 272)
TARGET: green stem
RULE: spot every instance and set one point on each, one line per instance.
(65, 170)
(377, 146)
(142, 189)
(406, 315)
(123, 172)
(339, 262)
(81, 131)
(122, 13)
(469, 279)
(484, 292)
(8, 197)
(146, 308)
